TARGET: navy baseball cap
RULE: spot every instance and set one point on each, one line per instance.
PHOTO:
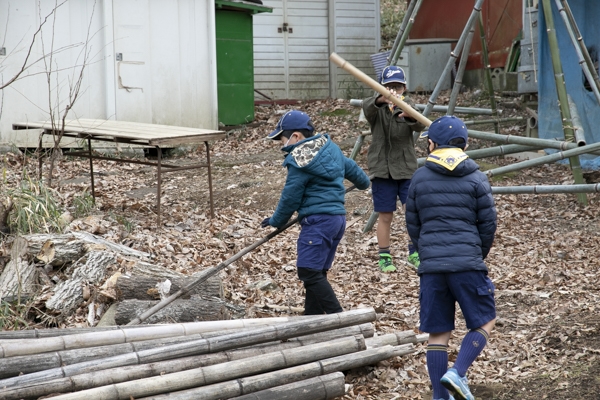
(392, 74)
(292, 121)
(446, 128)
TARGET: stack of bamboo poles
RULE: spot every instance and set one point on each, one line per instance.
(268, 358)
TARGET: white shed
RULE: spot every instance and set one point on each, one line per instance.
(293, 43)
(144, 61)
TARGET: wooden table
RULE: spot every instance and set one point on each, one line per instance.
(135, 133)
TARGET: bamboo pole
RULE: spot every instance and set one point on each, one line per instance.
(543, 160)
(404, 37)
(577, 127)
(403, 25)
(580, 47)
(13, 366)
(366, 79)
(561, 91)
(437, 108)
(546, 189)
(527, 141)
(221, 372)
(205, 275)
(452, 59)
(122, 374)
(19, 347)
(318, 388)
(487, 72)
(252, 384)
(203, 346)
(460, 72)
(491, 121)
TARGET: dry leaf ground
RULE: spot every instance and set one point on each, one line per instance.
(544, 261)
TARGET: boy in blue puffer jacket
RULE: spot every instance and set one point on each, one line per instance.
(314, 187)
(451, 220)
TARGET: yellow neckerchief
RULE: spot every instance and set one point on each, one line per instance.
(448, 157)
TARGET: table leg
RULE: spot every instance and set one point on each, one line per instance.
(91, 169)
(210, 192)
(40, 161)
(158, 179)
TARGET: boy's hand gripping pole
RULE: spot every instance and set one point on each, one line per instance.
(366, 79)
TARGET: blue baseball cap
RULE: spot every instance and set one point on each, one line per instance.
(446, 128)
(392, 74)
(292, 121)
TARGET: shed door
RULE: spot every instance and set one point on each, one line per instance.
(132, 57)
(291, 50)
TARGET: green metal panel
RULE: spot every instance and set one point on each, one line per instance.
(235, 67)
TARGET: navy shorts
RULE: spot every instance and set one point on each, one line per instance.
(319, 239)
(386, 193)
(473, 291)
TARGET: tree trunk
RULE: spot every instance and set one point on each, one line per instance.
(144, 287)
(89, 270)
(19, 276)
(181, 310)
(57, 249)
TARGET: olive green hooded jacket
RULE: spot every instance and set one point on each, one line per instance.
(392, 150)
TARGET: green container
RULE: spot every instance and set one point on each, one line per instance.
(235, 61)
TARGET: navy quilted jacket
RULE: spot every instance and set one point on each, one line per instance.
(450, 213)
(315, 180)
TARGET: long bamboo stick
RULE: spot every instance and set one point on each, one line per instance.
(546, 189)
(252, 384)
(453, 55)
(574, 32)
(18, 347)
(561, 155)
(122, 374)
(487, 71)
(561, 91)
(205, 275)
(318, 388)
(13, 366)
(403, 25)
(366, 79)
(221, 372)
(404, 38)
(460, 72)
(203, 346)
(527, 141)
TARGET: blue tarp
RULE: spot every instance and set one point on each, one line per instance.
(587, 16)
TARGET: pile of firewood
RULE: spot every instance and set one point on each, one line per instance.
(300, 357)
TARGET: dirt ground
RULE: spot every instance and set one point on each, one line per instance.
(544, 262)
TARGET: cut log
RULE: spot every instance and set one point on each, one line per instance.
(144, 288)
(181, 310)
(221, 372)
(301, 326)
(19, 277)
(253, 384)
(99, 243)
(89, 270)
(319, 388)
(66, 248)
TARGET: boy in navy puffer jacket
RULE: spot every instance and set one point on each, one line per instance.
(314, 187)
(451, 220)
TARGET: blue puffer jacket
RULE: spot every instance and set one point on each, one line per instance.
(450, 213)
(315, 180)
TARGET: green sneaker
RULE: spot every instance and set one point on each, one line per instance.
(414, 259)
(385, 263)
